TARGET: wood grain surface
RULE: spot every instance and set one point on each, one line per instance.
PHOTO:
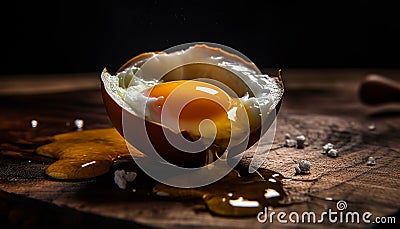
(321, 113)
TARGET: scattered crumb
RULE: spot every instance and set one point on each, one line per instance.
(79, 123)
(327, 147)
(371, 127)
(287, 136)
(371, 161)
(297, 169)
(303, 167)
(121, 178)
(333, 153)
(34, 123)
(330, 150)
(290, 143)
(300, 140)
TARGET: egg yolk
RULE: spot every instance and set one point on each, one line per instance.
(204, 100)
(192, 102)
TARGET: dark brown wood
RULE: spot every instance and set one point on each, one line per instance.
(29, 198)
(377, 89)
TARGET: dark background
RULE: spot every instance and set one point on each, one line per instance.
(81, 36)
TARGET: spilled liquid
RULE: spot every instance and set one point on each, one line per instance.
(233, 195)
(91, 153)
(84, 154)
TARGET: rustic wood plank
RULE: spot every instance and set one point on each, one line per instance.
(322, 115)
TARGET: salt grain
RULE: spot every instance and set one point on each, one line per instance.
(303, 167)
(34, 123)
(290, 143)
(287, 136)
(121, 178)
(333, 153)
(300, 140)
(79, 123)
(327, 147)
(371, 161)
(371, 127)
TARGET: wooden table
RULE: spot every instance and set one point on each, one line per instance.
(323, 105)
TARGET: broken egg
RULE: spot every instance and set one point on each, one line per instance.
(190, 100)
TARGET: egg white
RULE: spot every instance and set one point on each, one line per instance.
(243, 116)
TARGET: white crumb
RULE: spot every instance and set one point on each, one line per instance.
(303, 167)
(333, 153)
(121, 178)
(371, 127)
(290, 143)
(371, 161)
(327, 147)
(300, 140)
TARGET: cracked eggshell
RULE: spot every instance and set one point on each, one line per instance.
(155, 131)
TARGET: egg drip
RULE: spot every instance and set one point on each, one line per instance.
(236, 194)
